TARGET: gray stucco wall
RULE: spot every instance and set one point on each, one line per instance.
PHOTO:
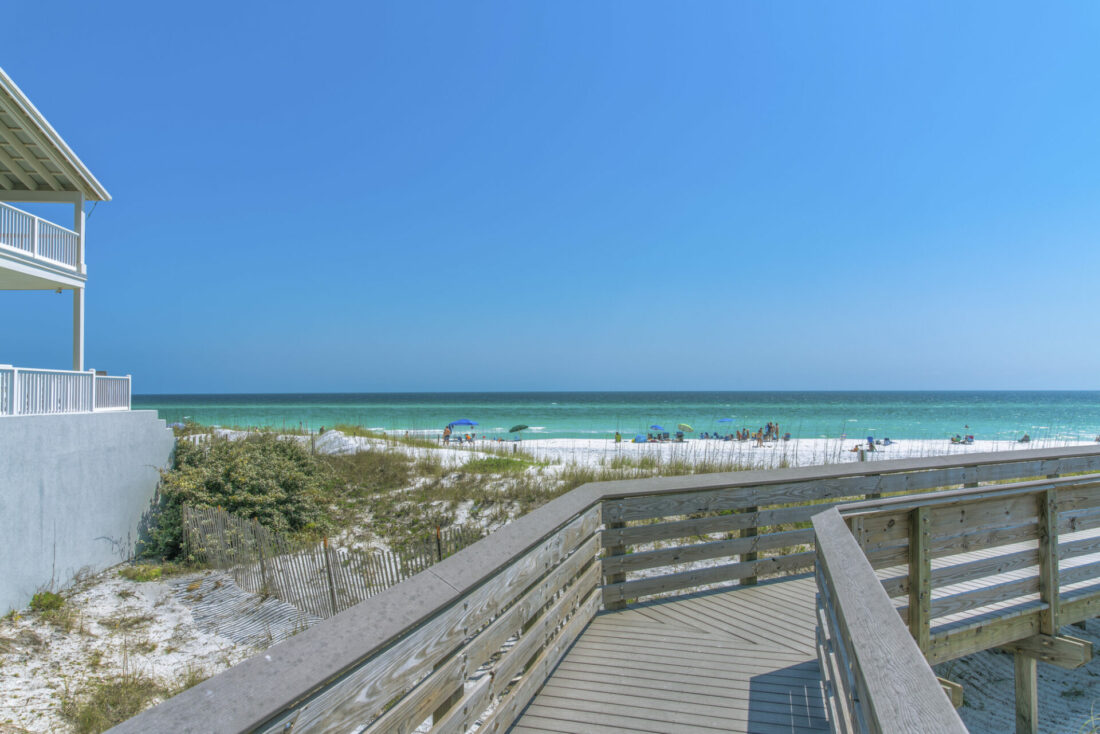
(73, 489)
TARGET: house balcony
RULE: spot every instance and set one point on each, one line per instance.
(25, 391)
(36, 254)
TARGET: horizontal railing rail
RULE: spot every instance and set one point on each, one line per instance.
(474, 636)
(39, 238)
(27, 391)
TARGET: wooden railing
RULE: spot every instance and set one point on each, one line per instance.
(875, 676)
(959, 572)
(473, 637)
(39, 238)
(25, 391)
(770, 522)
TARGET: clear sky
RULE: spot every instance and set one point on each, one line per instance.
(375, 196)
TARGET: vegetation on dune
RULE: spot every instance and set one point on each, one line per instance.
(390, 492)
(100, 703)
(278, 482)
(46, 601)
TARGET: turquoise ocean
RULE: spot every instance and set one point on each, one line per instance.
(1050, 416)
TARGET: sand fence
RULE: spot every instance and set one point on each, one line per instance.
(317, 578)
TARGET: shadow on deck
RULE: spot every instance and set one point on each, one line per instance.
(740, 660)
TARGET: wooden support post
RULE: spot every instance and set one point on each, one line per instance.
(920, 577)
(751, 556)
(953, 690)
(1027, 695)
(615, 578)
(1048, 562)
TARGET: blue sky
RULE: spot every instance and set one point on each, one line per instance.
(477, 196)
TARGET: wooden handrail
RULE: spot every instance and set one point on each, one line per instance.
(998, 580)
(876, 672)
(416, 642)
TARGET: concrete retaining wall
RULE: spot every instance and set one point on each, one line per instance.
(73, 489)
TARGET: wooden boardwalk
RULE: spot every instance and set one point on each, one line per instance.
(735, 660)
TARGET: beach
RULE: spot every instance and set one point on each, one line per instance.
(773, 454)
(713, 454)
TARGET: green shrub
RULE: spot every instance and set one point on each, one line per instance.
(142, 572)
(47, 601)
(277, 482)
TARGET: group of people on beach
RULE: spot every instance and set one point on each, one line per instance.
(467, 437)
(770, 432)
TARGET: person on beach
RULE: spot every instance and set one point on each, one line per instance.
(618, 437)
(447, 434)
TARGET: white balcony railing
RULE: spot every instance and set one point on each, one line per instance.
(38, 238)
(26, 391)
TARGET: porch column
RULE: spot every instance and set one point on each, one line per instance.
(78, 329)
(78, 227)
(78, 293)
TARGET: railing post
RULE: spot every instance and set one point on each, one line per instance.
(920, 577)
(750, 532)
(93, 390)
(16, 396)
(615, 578)
(1048, 562)
(34, 236)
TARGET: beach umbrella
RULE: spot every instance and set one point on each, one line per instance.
(656, 427)
(685, 427)
(639, 438)
(517, 429)
(463, 422)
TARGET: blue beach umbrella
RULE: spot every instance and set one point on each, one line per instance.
(639, 438)
(463, 422)
(655, 427)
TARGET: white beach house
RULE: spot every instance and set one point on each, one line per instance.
(78, 468)
(37, 166)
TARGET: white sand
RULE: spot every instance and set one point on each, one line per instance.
(796, 452)
(157, 637)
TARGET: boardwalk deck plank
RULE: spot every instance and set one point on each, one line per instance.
(735, 660)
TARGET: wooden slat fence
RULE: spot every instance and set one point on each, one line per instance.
(315, 577)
